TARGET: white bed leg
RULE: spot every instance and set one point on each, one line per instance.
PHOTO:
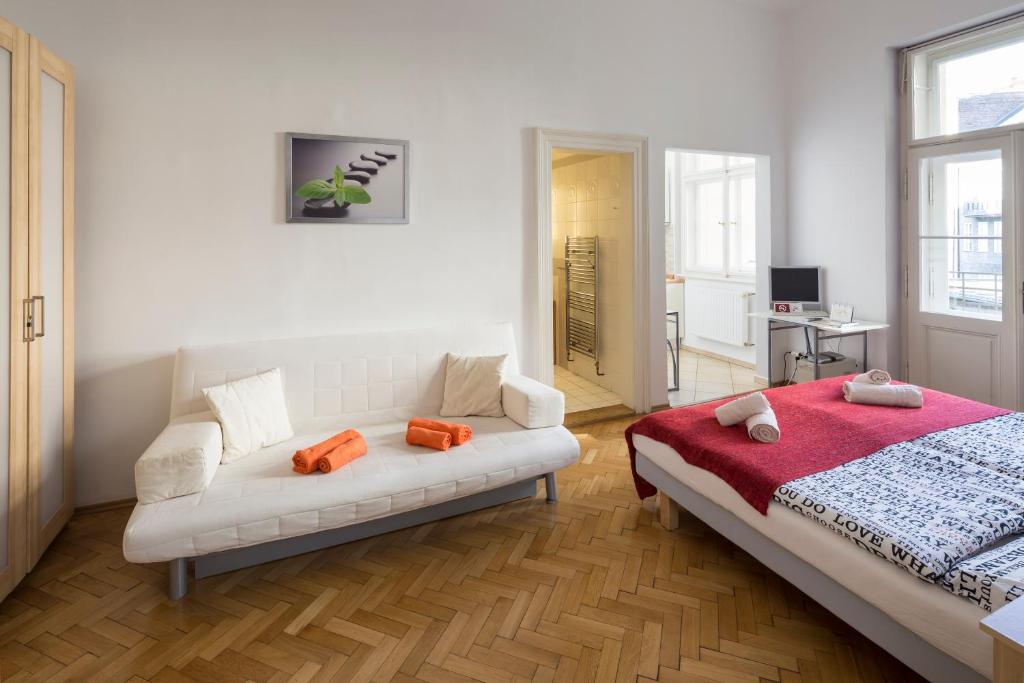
(178, 574)
(550, 487)
(668, 512)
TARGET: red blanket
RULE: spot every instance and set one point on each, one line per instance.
(820, 430)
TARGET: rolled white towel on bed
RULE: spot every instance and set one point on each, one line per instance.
(763, 427)
(734, 412)
(898, 395)
(873, 377)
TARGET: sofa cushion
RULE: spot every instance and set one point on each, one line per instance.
(259, 498)
(182, 460)
(472, 386)
(251, 412)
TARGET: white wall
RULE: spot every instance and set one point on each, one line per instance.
(843, 145)
(181, 110)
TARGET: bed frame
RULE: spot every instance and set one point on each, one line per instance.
(924, 658)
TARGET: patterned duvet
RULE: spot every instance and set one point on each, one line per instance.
(947, 507)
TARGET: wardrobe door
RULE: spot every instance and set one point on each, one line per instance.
(13, 285)
(51, 303)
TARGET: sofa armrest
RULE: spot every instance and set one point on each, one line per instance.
(531, 403)
(182, 460)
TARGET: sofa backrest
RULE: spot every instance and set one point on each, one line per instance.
(359, 378)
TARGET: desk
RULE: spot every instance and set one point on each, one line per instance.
(823, 331)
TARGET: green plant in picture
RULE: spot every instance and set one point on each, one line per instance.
(334, 188)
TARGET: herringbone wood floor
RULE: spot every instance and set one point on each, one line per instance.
(588, 589)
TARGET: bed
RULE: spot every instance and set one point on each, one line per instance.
(911, 611)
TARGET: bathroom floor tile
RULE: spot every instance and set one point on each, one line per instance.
(582, 394)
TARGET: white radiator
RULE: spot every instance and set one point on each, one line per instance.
(721, 314)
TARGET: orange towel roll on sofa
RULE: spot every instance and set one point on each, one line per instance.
(460, 433)
(418, 436)
(343, 454)
(305, 460)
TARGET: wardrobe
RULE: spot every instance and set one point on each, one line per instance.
(37, 163)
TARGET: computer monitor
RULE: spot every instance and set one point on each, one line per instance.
(796, 285)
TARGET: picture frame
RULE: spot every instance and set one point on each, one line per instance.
(374, 175)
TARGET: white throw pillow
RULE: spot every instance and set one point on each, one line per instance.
(251, 412)
(472, 386)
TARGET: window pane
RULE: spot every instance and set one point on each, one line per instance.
(709, 223)
(742, 240)
(960, 191)
(976, 84)
(958, 279)
(741, 162)
(961, 201)
(696, 163)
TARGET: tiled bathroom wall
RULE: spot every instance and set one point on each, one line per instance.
(592, 196)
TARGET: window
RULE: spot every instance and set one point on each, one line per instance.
(960, 234)
(718, 214)
(970, 82)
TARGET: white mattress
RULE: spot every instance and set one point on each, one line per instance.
(259, 498)
(942, 619)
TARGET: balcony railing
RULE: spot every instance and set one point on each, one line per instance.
(971, 291)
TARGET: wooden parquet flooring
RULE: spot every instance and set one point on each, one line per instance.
(588, 589)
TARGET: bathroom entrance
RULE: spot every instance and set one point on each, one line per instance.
(593, 289)
(592, 280)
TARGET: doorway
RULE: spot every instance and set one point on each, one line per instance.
(593, 270)
(714, 203)
(592, 278)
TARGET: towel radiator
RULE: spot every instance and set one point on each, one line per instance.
(581, 299)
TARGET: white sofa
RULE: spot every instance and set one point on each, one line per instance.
(257, 509)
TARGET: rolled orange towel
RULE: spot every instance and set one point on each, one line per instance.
(418, 436)
(460, 433)
(305, 460)
(343, 454)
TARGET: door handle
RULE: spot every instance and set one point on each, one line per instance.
(28, 332)
(41, 317)
(28, 306)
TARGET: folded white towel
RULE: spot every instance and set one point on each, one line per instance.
(898, 395)
(763, 427)
(734, 412)
(873, 377)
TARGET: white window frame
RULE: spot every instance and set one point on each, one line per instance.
(919, 78)
(730, 174)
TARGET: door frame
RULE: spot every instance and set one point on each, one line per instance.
(547, 140)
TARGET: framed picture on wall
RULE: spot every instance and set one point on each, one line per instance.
(337, 179)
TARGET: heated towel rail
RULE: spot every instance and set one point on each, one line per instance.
(582, 299)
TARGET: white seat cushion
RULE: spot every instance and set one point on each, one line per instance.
(259, 498)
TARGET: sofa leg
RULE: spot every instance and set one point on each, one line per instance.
(551, 487)
(178, 571)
